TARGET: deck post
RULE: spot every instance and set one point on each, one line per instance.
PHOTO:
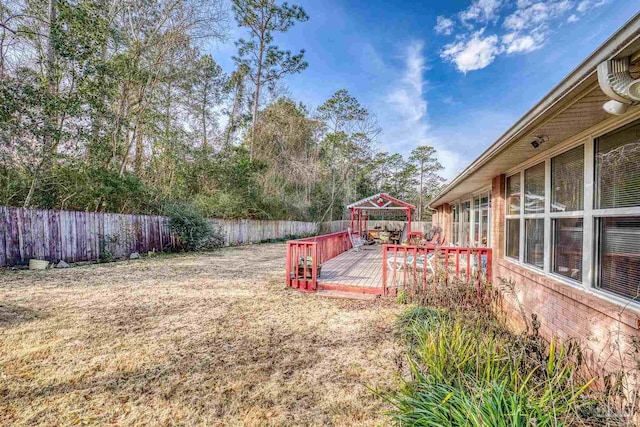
(384, 270)
(314, 271)
(288, 267)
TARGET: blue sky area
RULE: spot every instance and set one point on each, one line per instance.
(452, 74)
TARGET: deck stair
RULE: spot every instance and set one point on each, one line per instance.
(346, 295)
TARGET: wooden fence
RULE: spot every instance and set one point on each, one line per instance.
(243, 231)
(86, 236)
(335, 226)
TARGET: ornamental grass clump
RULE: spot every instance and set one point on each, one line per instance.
(467, 372)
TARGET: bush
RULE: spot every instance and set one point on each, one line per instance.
(190, 225)
(469, 373)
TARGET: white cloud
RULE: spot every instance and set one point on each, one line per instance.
(443, 26)
(473, 53)
(583, 6)
(536, 14)
(481, 11)
(403, 112)
(526, 27)
(586, 5)
(517, 43)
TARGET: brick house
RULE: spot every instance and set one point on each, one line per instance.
(557, 198)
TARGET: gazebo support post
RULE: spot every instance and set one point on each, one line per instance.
(408, 223)
(351, 211)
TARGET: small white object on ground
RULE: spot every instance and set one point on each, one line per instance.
(134, 255)
(62, 264)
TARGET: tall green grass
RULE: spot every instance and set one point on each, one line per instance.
(467, 372)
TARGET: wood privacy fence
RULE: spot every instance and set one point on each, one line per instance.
(86, 236)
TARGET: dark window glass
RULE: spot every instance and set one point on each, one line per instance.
(456, 224)
(567, 181)
(534, 189)
(513, 194)
(476, 221)
(567, 247)
(484, 226)
(619, 247)
(618, 168)
(466, 224)
(513, 238)
(534, 242)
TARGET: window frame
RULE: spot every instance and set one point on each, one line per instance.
(473, 214)
(590, 216)
(602, 213)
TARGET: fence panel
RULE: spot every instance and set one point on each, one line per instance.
(55, 235)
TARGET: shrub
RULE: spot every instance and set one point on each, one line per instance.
(469, 373)
(190, 225)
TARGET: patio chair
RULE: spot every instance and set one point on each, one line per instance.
(357, 242)
(422, 263)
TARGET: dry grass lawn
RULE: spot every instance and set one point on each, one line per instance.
(192, 340)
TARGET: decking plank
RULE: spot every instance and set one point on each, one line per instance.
(361, 268)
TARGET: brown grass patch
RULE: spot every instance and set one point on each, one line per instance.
(202, 339)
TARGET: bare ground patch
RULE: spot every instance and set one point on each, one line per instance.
(201, 339)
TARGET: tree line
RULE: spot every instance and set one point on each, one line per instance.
(116, 106)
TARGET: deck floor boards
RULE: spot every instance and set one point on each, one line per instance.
(361, 268)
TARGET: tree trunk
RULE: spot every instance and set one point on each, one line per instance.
(256, 99)
(139, 151)
(204, 121)
(51, 88)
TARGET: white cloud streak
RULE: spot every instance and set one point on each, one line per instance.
(405, 117)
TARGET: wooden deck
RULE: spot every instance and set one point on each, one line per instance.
(359, 271)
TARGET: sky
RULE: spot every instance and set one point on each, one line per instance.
(451, 74)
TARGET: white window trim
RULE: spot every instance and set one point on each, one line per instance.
(486, 192)
(588, 215)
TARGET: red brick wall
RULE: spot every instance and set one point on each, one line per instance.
(442, 218)
(604, 329)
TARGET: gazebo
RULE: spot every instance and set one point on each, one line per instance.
(361, 210)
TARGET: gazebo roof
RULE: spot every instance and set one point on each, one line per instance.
(388, 202)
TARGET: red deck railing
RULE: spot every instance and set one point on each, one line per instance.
(306, 256)
(417, 265)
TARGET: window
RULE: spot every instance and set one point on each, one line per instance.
(481, 207)
(534, 189)
(513, 238)
(476, 221)
(485, 207)
(567, 247)
(466, 223)
(513, 194)
(471, 222)
(567, 181)
(567, 198)
(620, 256)
(553, 223)
(456, 224)
(512, 246)
(534, 242)
(617, 211)
(534, 202)
(617, 171)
